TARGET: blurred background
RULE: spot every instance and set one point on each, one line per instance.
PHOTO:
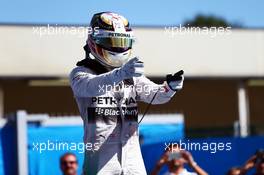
(219, 45)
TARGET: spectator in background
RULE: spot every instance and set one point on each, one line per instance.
(234, 171)
(257, 162)
(68, 164)
(260, 168)
(175, 158)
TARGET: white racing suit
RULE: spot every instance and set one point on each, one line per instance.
(110, 119)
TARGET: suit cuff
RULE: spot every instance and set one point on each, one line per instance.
(168, 90)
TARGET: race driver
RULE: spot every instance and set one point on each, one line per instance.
(107, 85)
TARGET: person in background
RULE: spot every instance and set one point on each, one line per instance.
(234, 171)
(175, 158)
(68, 164)
(256, 161)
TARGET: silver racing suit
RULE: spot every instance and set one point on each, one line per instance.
(108, 107)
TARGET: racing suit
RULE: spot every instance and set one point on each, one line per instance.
(110, 118)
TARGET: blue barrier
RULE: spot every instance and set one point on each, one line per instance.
(47, 162)
(1, 156)
(220, 162)
(8, 160)
(216, 163)
(154, 137)
(156, 133)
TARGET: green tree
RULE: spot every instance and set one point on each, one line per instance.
(208, 21)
